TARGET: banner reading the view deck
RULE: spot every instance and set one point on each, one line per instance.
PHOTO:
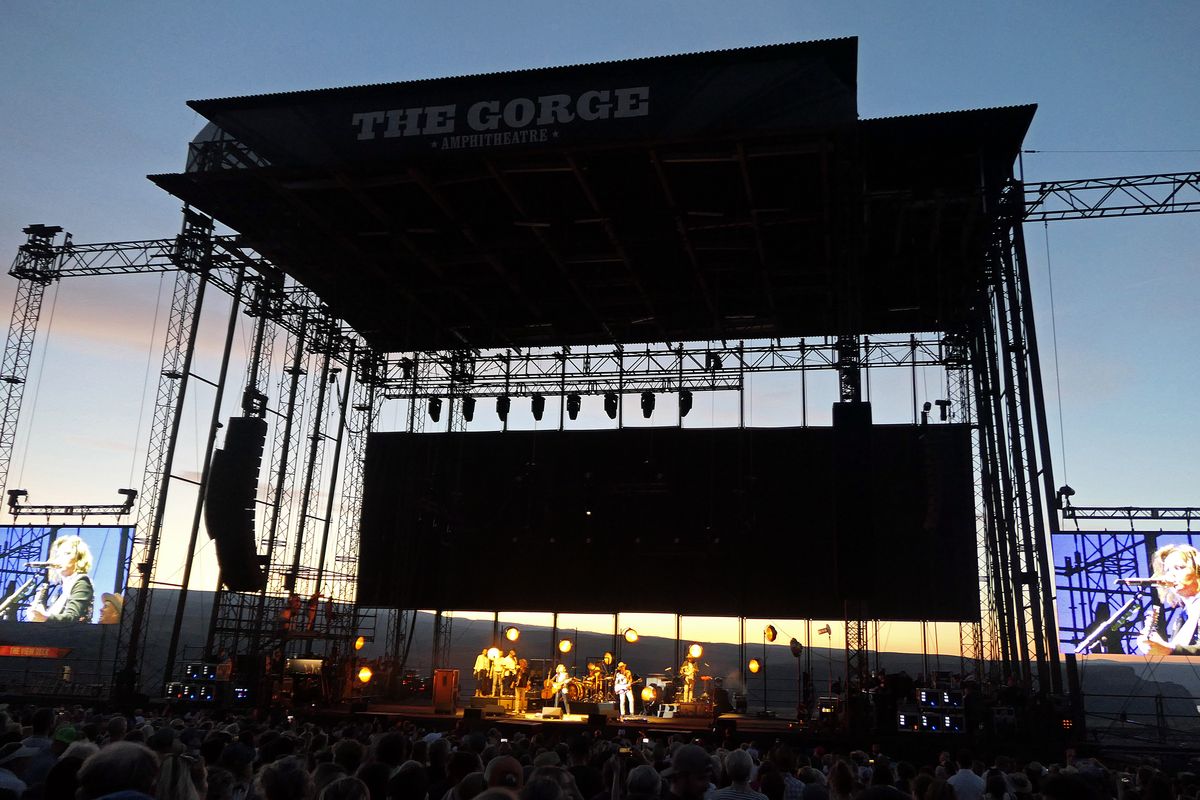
(778, 87)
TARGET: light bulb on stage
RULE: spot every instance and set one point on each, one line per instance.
(364, 675)
(360, 642)
(754, 665)
(769, 633)
(631, 635)
(512, 633)
(649, 694)
(564, 646)
(493, 652)
(695, 651)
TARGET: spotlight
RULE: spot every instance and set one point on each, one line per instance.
(754, 665)
(925, 408)
(769, 633)
(435, 408)
(493, 653)
(796, 647)
(685, 402)
(564, 646)
(649, 694)
(712, 360)
(1065, 493)
(538, 404)
(468, 408)
(574, 401)
(608, 659)
(610, 404)
(647, 404)
(631, 635)
(512, 633)
(360, 642)
(695, 651)
(502, 405)
(364, 675)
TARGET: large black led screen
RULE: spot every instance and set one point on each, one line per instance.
(779, 522)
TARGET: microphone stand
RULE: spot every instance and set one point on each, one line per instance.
(12, 599)
(1090, 641)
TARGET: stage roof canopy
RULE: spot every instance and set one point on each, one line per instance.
(724, 195)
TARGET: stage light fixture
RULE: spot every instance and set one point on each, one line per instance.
(713, 360)
(925, 408)
(610, 404)
(512, 633)
(565, 645)
(695, 651)
(468, 408)
(360, 642)
(796, 647)
(630, 635)
(685, 402)
(647, 404)
(435, 408)
(649, 694)
(574, 402)
(503, 403)
(365, 674)
(608, 659)
(493, 653)
(538, 406)
(754, 665)
(769, 633)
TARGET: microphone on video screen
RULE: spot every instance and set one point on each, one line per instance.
(1144, 582)
(40, 564)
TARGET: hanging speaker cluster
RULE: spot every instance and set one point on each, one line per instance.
(229, 503)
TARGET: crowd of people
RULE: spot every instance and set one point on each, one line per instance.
(80, 755)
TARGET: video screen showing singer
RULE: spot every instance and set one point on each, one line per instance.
(1179, 617)
(68, 588)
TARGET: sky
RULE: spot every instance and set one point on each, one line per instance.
(92, 99)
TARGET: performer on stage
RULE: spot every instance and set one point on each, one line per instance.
(561, 681)
(687, 673)
(1179, 564)
(507, 669)
(521, 685)
(482, 671)
(72, 561)
(623, 686)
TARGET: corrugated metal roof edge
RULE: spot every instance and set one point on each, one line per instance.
(303, 92)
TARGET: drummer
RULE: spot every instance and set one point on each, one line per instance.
(595, 680)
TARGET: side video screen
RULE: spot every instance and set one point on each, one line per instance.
(1128, 592)
(52, 573)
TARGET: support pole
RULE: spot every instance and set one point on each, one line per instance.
(214, 425)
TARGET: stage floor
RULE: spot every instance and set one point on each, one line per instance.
(679, 724)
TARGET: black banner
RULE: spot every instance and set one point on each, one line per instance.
(771, 88)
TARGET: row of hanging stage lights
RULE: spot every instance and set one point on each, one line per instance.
(537, 404)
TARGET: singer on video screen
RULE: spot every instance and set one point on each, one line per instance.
(68, 588)
(1175, 633)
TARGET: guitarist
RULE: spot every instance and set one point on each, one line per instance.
(1179, 567)
(623, 686)
(560, 684)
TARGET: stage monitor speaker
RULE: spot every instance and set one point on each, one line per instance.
(229, 503)
(597, 720)
(552, 712)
